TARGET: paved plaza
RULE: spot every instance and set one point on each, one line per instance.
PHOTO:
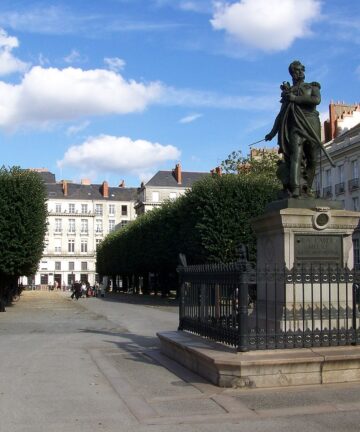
(94, 365)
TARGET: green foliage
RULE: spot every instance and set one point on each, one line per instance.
(207, 224)
(264, 163)
(22, 221)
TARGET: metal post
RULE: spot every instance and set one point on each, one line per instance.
(182, 300)
(243, 313)
(355, 289)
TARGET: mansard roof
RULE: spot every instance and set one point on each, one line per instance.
(167, 179)
(77, 191)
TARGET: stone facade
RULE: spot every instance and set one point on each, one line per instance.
(80, 215)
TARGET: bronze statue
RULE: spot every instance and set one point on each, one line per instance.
(299, 133)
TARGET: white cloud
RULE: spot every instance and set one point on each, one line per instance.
(268, 25)
(114, 154)
(115, 64)
(190, 118)
(195, 6)
(8, 62)
(203, 99)
(73, 57)
(75, 129)
(48, 95)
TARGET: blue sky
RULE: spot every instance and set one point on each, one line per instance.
(118, 89)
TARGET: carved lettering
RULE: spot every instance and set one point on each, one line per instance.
(318, 248)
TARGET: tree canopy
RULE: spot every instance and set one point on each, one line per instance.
(207, 224)
(22, 223)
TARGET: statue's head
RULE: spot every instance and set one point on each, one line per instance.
(297, 69)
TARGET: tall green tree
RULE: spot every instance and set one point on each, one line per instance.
(23, 216)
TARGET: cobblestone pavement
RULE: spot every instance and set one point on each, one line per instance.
(94, 365)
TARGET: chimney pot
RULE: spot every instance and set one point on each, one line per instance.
(105, 189)
(178, 174)
(122, 184)
(65, 187)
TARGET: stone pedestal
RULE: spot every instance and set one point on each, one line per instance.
(305, 231)
(314, 239)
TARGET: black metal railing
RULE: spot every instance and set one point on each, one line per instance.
(327, 192)
(339, 188)
(254, 309)
(353, 184)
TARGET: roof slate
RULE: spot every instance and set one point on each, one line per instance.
(167, 179)
(92, 192)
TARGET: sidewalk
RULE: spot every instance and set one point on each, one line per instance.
(94, 365)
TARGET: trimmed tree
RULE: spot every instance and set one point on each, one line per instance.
(22, 226)
(207, 224)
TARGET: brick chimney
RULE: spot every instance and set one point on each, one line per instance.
(177, 173)
(122, 184)
(216, 171)
(105, 189)
(65, 187)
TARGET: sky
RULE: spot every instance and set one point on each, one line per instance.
(119, 89)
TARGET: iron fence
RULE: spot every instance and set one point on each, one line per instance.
(251, 309)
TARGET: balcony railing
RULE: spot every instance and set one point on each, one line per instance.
(327, 192)
(353, 184)
(339, 188)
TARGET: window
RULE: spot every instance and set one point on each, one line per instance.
(111, 224)
(97, 243)
(71, 225)
(58, 225)
(123, 223)
(317, 182)
(84, 246)
(341, 173)
(44, 279)
(57, 245)
(124, 210)
(99, 209)
(84, 226)
(155, 197)
(57, 265)
(328, 177)
(71, 246)
(356, 244)
(58, 208)
(98, 225)
(112, 209)
(173, 195)
(71, 265)
(355, 203)
(84, 208)
(43, 265)
(71, 208)
(84, 265)
(71, 279)
(355, 169)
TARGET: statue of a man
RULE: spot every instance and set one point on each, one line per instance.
(299, 132)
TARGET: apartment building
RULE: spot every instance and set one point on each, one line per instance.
(80, 215)
(165, 185)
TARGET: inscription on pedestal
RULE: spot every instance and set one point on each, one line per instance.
(318, 249)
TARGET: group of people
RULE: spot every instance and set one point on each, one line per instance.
(84, 289)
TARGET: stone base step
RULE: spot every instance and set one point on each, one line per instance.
(225, 367)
